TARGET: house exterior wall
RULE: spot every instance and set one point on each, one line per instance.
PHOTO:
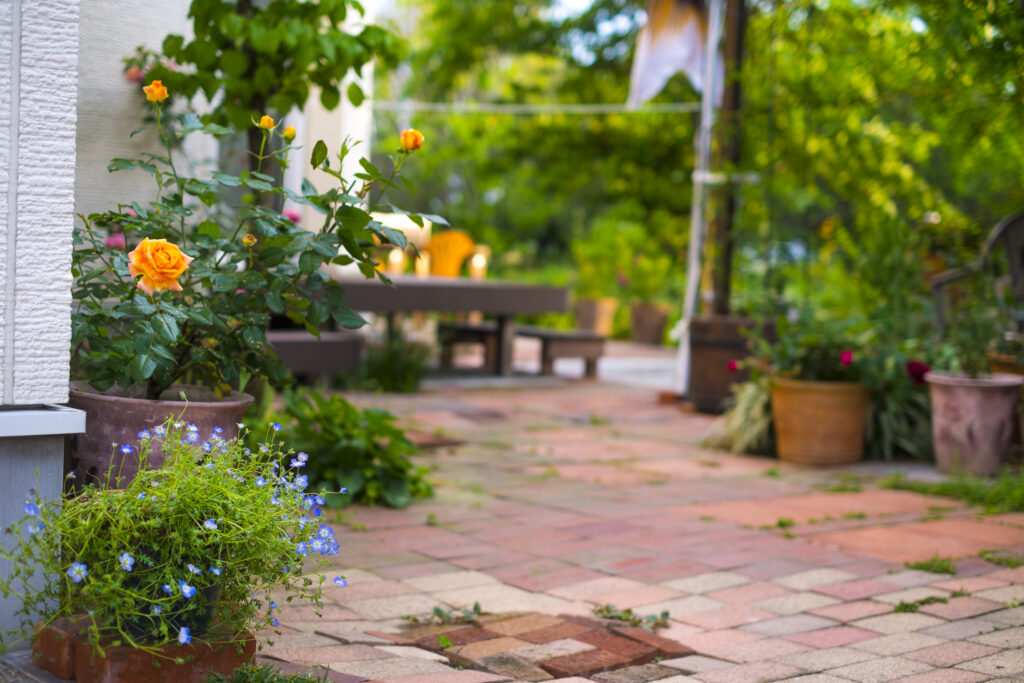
(38, 62)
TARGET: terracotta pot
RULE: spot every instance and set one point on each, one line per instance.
(972, 420)
(819, 423)
(118, 420)
(596, 315)
(1011, 365)
(714, 341)
(647, 323)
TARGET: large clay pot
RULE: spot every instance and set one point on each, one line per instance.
(972, 420)
(715, 340)
(596, 315)
(114, 420)
(647, 323)
(819, 423)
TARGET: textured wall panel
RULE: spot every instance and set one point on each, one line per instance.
(6, 76)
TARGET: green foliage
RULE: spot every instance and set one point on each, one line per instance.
(200, 541)
(911, 607)
(358, 450)
(396, 366)
(935, 565)
(1000, 558)
(249, 262)
(446, 616)
(847, 482)
(1005, 493)
(814, 349)
(650, 622)
(250, 673)
(252, 58)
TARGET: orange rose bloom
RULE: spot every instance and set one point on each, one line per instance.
(155, 91)
(289, 133)
(160, 263)
(266, 122)
(411, 139)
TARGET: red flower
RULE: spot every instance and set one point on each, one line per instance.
(846, 358)
(917, 370)
(734, 365)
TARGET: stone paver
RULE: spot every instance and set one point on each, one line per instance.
(562, 497)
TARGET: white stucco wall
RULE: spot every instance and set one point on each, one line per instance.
(38, 61)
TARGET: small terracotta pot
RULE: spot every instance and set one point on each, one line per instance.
(596, 315)
(819, 423)
(972, 420)
(647, 323)
(111, 421)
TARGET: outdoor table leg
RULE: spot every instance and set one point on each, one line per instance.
(503, 352)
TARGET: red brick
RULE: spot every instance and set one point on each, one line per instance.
(635, 651)
(583, 664)
(53, 648)
(466, 636)
(557, 632)
(665, 647)
(397, 640)
(125, 664)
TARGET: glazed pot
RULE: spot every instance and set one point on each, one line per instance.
(596, 315)
(819, 423)
(647, 323)
(111, 421)
(972, 420)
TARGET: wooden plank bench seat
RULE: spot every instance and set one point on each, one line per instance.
(554, 343)
(304, 354)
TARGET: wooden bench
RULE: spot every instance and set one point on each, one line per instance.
(554, 344)
(304, 354)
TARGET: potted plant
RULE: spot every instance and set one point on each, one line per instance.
(177, 307)
(178, 564)
(819, 405)
(973, 409)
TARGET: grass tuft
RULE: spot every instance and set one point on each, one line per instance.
(935, 565)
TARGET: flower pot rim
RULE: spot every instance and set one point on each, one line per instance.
(83, 389)
(993, 380)
(816, 384)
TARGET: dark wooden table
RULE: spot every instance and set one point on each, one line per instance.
(503, 300)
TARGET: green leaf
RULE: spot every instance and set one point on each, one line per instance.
(141, 367)
(309, 261)
(166, 327)
(330, 97)
(395, 492)
(348, 318)
(121, 165)
(319, 155)
(355, 94)
(227, 179)
(352, 217)
(210, 229)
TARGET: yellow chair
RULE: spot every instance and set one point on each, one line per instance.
(448, 250)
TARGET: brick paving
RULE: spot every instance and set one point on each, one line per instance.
(562, 498)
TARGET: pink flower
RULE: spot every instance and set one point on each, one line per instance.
(917, 370)
(292, 215)
(846, 358)
(116, 241)
(134, 74)
(734, 365)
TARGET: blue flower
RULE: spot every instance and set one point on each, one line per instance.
(206, 446)
(31, 509)
(159, 430)
(340, 581)
(276, 426)
(210, 524)
(157, 609)
(325, 532)
(317, 512)
(33, 529)
(275, 500)
(215, 570)
(344, 490)
(302, 481)
(126, 561)
(301, 548)
(302, 457)
(187, 591)
(192, 427)
(184, 637)
(273, 605)
(194, 569)
(218, 430)
(141, 496)
(145, 435)
(126, 449)
(192, 438)
(260, 481)
(275, 622)
(166, 588)
(77, 572)
(320, 500)
(297, 463)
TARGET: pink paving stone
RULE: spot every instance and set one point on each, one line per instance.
(851, 611)
(767, 648)
(952, 653)
(549, 580)
(452, 676)
(832, 637)
(638, 597)
(323, 656)
(751, 592)
(709, 640)
(961, 608)
(377, 589)
(602, 528)
(757, 672)
(1008, 575)
(772, 569)
(411, 571)
(855, 590)
(500, 558)
(308, 613)
(566, 549)
(868, 567)
(727, 560)
(530, 568)
(944, 676)
(970, 584)
(666, 572)
(903, 542)
(726, 618)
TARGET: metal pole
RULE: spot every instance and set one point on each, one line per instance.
(698, 227)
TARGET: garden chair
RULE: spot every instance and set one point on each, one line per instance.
(448, 250)
(1009, 234)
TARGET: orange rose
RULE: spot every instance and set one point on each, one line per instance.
(266, 123)
(155, 91)
(288, 133)
(160, 263)
(411, 139)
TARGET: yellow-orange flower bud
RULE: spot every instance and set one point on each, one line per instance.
(249, 239)
(411, 139)
(155, 91)
(267, 123)
(288, 133)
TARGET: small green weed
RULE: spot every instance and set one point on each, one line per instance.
(773, 473)
(249, 673)
(709, 463)
(706, 518)
(598, 421)
(1003, 494)
(913, 606)
(935, 565)
(432, 520)
(649, 622)
(1008, 561)
(784, 522)
(854, 515)
(959, 593)
(846, 483)
(447, 616)
(444, 642)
